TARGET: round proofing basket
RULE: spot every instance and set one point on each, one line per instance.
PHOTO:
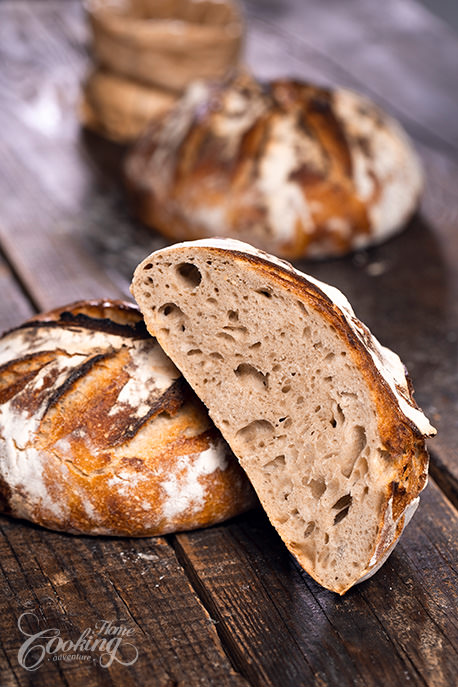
(120, 109)
(166, 43)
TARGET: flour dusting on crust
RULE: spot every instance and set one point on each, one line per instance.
(94, 422)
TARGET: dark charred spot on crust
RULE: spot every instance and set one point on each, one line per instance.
(306, 175)
(397, 489)
(133, 462)
(30, 399)
(302, 122)
(252, 148)
(364, 110)
(413, 474)
(364, 144)
(188, 152)
(68, 320)
(409, 383)
(81, 321)
(290, 92)
(400, 442)
(334, 141)
(400, 499)
(321, 104)
(115, 506)
(137, 330)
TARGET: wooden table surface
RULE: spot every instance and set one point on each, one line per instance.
(228, 605)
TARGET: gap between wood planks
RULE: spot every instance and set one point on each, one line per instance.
(23, 292)
(53, 573)
(444, 479)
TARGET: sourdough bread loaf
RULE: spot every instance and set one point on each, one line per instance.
(294, 169)
(319, 414)
(100, 434)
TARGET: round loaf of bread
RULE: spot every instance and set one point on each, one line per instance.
(100, 434)
(294, 169)
(120, 109)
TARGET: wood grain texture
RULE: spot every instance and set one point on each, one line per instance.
(50, 193)
(400, 627)
(14, 305)
(72, 583)
(396, 51)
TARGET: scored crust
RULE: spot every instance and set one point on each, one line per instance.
(100, 434)
(320, 415)
(290, 167)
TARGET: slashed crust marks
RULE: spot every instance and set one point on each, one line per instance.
(293, 168)
(93, 429)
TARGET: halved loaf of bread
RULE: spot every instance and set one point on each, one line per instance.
(100, 434)
(320, 415)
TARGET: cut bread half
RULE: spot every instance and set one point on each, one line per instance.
(319, 414)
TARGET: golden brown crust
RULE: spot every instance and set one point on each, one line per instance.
(99, 433)
(286, 167)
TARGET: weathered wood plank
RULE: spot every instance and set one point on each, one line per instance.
(14, 305)
(396, 50)
(74, 583)
(52, 194)
(398, 627)
(43, 244)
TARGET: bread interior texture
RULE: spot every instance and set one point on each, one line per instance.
(280, 383)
